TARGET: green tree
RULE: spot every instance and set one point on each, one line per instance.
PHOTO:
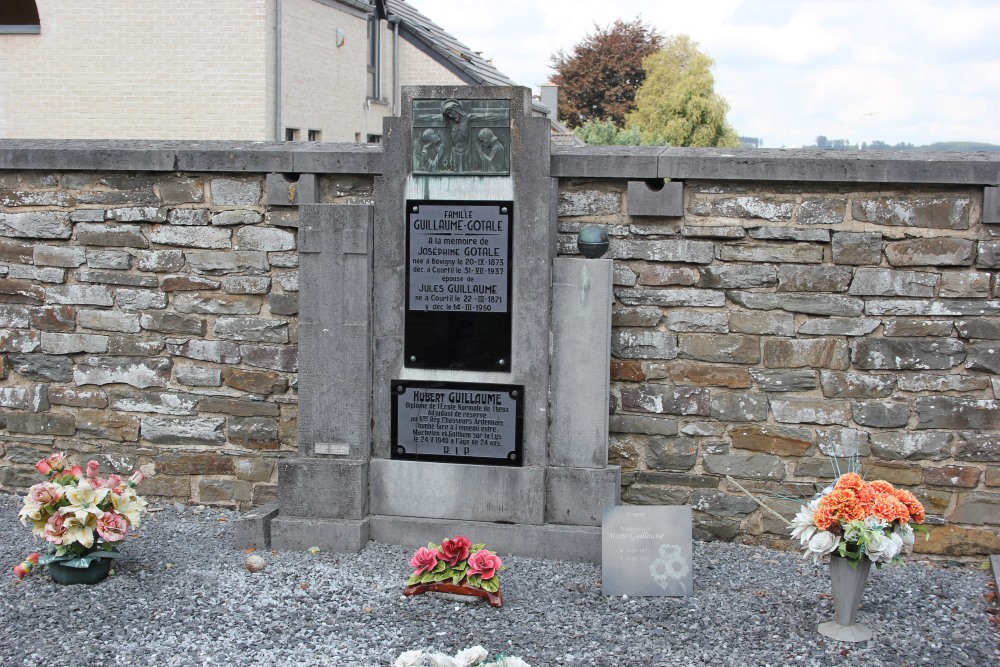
(678, 103)
(606, 133)
(599, 79)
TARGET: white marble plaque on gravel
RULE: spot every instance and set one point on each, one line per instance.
(646, 550)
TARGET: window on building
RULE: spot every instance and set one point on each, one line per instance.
(374, 138)
(19, 16)
(374, 56)
(291, 134)
(315, 135)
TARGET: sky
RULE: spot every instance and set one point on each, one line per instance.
(919, 71)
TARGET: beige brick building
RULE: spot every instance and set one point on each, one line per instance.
(227, 69)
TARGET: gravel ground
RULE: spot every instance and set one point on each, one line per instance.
(185, 598)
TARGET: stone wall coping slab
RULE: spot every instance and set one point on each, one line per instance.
(211, 156)
(763, 164)
(622, 162)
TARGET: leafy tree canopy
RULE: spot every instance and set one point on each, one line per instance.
(599, 79)
(677, 102)
(606, 133)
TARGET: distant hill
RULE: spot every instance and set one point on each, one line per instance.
(961, 146)
(845, 144)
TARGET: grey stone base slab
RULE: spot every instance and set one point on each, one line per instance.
(323, 488)
(568, 543)
(458, 491)
(253, 529)
(296, 533)
(845, 633)
(577, 496)
(581, 354)
(991, 205)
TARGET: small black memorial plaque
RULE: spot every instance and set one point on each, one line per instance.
(457, 422)
(458, 285)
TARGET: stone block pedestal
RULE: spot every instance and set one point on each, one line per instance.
(352, 480)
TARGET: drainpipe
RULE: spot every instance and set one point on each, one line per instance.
(277, 71)
(394, 22)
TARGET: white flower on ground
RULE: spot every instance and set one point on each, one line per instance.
(442, 660)
(410, 659)
(802, 525)
(822, 543)
(512, 662)
(471, 656)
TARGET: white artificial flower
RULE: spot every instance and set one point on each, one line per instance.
(442, 660)
(895, 546)
(878, 547)
(802, 525)
(410, 659)
(874, 522)
(471, 656)
(822, 543)
(905, 534)
(854, 531)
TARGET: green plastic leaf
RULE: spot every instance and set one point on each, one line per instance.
(45, 559)
(476, 547)
(491, 585)
(413, 580)
(79, 563)
(474, 580)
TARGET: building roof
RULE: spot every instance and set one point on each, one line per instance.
(468, 64)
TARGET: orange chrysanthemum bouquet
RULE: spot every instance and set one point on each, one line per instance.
(858, 519)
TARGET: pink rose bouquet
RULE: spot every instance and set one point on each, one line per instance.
(451, 561)
(83, 517)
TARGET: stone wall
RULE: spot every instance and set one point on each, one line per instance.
(768, 326)
(771, 311)
(150, 320)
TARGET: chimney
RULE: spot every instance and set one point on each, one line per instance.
(550, 98)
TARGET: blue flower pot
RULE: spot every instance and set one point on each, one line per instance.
(95, 572)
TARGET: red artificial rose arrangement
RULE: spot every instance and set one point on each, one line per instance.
(458, 560)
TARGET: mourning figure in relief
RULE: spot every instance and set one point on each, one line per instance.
(492, 156)
(430, 153)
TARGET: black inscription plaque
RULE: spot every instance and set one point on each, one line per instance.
(458, 285)
(457, 422)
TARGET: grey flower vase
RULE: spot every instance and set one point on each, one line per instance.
(848, 586)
